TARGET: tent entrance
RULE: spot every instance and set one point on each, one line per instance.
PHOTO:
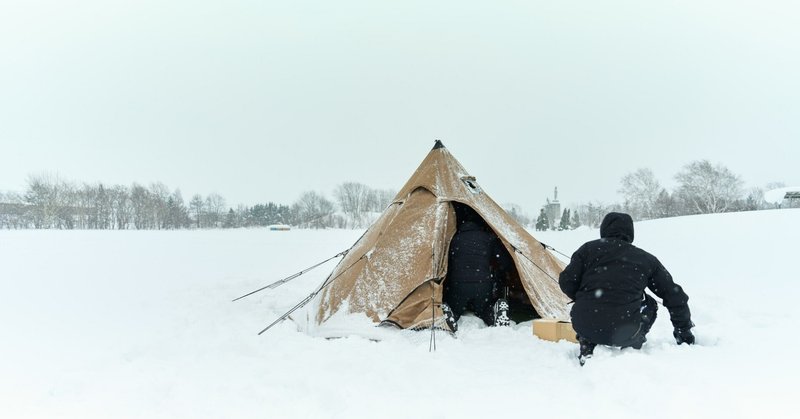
(510, 286)
(507, 277)
(520, 307)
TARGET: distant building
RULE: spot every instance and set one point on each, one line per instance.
(786, 197)
(792, 199)
(553, 209)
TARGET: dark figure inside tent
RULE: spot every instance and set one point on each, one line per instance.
(607, 279)
(479, 272)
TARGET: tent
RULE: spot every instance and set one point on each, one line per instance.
(395, 272)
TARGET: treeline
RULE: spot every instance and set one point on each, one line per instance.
(49, 202)
(701, 188)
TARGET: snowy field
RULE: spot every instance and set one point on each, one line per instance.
(141, 325)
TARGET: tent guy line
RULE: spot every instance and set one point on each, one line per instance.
(311, 296)
(280, 282)
(548, 247)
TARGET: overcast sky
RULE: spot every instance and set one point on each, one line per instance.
(260, 101)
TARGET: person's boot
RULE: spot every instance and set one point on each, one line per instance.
(639, 342)
(449, 317)
(586, 351)
(501, 313)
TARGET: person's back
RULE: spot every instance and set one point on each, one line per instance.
(607, 279)
(470, 253)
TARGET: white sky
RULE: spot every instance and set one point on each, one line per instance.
(260, 100)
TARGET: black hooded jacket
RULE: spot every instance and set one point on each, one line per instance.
(474, 254)
(607, 277)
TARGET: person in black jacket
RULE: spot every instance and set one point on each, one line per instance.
(607, 279)
(476, 260)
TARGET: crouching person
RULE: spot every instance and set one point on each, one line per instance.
(607, 279)
(477, 262)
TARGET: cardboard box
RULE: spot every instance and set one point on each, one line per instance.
(554, 330)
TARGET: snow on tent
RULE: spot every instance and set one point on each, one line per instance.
(395, 272)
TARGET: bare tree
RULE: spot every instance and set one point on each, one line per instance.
(753, 200)
(141, 208)
(705, 189)
(314, 210)
(13, 211)
(641, 191)
(196, 208)
(215, 210)
(516, 212)
(103, 207)
(121, 206)
(48, 195)
(383, 198)
(354, 199)
(38, 196)
(66, 205)
(591, 214)
(5, 211)
(159, 195)
(774, 185)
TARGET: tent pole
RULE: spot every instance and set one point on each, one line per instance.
(432, 344)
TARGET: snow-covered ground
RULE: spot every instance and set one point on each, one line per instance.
(141, 324)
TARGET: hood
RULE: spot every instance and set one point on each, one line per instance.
(617, 225)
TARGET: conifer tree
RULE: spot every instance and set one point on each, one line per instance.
(575, 222)
(542, 223)
(564, 224)
(230, 219)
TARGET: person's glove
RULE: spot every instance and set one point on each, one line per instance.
(683, 336)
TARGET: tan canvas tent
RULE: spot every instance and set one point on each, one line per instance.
(395, 272)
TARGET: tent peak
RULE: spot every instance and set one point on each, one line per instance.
(438, 144)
